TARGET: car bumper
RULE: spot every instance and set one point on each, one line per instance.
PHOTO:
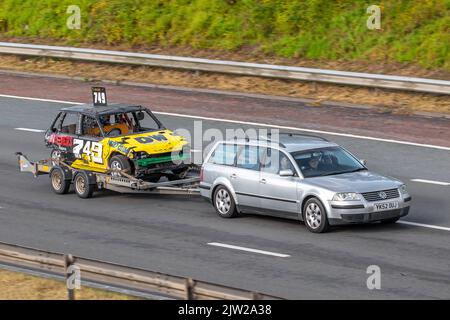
(205, 191)
(364, 212)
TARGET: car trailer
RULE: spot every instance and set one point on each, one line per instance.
(85, 182)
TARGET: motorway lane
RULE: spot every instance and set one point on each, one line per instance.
(431, 203)
(169, 234)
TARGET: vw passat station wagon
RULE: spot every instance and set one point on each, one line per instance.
(299, 177)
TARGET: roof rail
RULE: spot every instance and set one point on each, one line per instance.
(303, 135)
(268, 139)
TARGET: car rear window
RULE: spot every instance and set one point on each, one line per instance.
(224, 154)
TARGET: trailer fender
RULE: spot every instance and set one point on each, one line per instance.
(67, 173)
(90, 176)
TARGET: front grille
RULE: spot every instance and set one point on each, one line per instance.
(354, 217)
(375, 195)
(385, 214)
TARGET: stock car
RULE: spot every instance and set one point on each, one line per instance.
(127, 138)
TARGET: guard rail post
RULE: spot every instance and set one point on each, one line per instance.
(190, 285)
(68, 262)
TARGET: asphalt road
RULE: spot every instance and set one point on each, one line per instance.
(170, 234)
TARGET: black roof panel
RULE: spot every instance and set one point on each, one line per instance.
(89, 109)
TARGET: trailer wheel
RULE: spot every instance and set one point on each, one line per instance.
(59, 184)
(82, 186)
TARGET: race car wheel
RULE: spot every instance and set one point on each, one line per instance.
(56, 155)
(59, 184)
(315, 216)
(119, 162)
(224, 203)
(82, 186)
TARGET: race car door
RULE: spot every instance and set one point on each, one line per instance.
(87, 147)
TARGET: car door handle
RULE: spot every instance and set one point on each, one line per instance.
(264, 181)
(233, 176)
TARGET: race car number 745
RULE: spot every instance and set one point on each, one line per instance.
(93, 150)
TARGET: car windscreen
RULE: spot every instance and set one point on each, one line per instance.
(326, 161)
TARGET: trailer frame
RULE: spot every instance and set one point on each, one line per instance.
(114, 180)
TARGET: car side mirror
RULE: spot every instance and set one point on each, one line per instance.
(363, 161)
(140, 115)
(286, 173)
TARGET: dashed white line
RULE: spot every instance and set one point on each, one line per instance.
(229, 246)
(258, 124)
(29, 129)
(439, 183)
(194, 150)
(424, 225)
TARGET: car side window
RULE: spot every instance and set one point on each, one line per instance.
(69, 123)
(89, 127)
(275, 161)
(224, 154)
(248, 158)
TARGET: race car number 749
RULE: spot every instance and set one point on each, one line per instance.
(93, 150)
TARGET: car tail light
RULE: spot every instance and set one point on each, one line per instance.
(201, 174)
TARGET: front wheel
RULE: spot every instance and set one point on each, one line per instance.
(59, 184)
(315, 216)
(224, 203)
(119, 163)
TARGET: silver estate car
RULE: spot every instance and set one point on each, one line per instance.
(300, 177)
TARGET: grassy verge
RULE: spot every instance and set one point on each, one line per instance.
(412, 32)
(19, 286)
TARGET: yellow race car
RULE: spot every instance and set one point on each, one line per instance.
(123, 137)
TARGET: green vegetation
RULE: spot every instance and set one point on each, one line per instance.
(412, 31)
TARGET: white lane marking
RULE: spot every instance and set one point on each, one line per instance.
(194, 150)
(30, 130)
(229, 246)
(38, 99)
(424, 225)
(440, 183)
(260, 124)
(348, 135)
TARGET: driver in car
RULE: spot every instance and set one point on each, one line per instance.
(313, 165)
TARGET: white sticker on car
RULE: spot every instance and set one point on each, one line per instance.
(93, 150)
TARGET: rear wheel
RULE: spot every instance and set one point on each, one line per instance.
(224, 203)
(119, 163)
(82, 187)
(55, 155)
(315, 216)
(59, 184)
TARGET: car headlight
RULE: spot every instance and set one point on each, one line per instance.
(403, 189)
(346, 196)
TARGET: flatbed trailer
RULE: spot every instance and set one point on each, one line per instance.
(62, 176)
